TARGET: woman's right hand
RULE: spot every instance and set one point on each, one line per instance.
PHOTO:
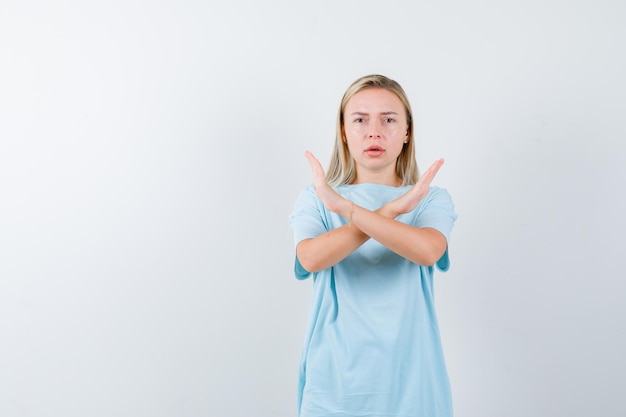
(331, 199)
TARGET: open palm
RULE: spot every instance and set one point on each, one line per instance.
(331, 199)
(409, 200)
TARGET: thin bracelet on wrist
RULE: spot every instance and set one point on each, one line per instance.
(351, 211)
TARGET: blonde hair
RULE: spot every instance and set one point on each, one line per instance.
(342, 169)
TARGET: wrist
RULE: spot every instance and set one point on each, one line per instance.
(389, 211)
(350, 213)
(347, 211)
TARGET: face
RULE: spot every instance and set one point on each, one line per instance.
(375, 127)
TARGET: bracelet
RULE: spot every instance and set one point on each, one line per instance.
(351, 212)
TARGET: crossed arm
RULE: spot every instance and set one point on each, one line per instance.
(423, 246)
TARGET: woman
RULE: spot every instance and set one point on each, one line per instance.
(370, 234)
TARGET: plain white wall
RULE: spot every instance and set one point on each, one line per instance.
(151, 152)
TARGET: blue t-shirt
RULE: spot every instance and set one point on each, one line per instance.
(372, 344)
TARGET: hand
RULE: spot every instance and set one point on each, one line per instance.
(409, 200)
(333, 201)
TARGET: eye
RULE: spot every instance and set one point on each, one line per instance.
(359, 120)
(389, 120)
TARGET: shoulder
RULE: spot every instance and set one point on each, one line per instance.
(307, 199)
(438, 200)
(438, 191)
(307, 192)
(437, 194)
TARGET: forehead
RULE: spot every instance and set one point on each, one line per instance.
(374, 100)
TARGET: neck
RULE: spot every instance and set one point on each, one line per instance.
(378, 178)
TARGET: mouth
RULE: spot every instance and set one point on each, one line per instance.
(374, 150)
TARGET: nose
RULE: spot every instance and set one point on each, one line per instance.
(374, 131)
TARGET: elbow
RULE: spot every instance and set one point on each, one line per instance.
(304, 263)
(430, 259)
(431, 252)
(309, 265)
(430, 256)
(308, 262)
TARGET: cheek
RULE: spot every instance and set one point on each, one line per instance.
(351, 131)
(351, 146)
(351, 134)
(395, 130)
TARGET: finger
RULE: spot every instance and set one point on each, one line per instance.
(311, 160)
(430, 173)
(316, 166)
(436, 166)
(309, 156)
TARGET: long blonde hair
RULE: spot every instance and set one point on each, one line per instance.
(342, 169)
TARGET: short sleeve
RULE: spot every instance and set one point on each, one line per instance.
(306, 221)
(437, 212)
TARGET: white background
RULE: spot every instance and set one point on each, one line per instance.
(151, 152)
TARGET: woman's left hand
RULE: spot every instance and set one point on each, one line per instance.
(331, 199)
(414, 196)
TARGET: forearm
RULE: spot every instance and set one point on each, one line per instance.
(423, 246)
(330, 248)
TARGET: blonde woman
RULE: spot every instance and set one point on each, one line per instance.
(370, 235)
